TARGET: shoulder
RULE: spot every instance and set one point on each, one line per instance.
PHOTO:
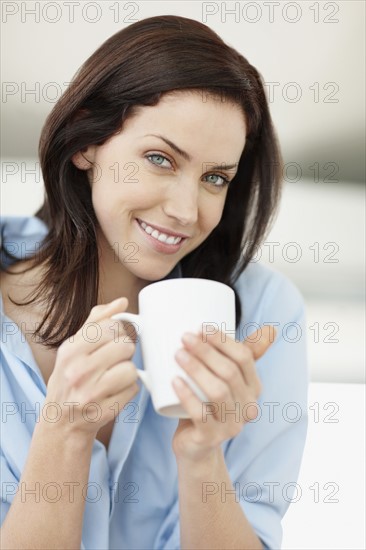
(22, 225)
(269, 298)
(19, 236)
(263, 291)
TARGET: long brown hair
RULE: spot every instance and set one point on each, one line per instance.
(134, 67)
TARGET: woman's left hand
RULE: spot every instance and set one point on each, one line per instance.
(225, 371)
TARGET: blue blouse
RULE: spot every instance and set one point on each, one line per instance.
(132, 495)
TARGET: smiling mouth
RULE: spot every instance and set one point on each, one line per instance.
(158, 235)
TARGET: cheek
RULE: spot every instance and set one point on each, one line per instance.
(211, 213)
(116, 201)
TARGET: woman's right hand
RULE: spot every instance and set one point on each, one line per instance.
(93, 367)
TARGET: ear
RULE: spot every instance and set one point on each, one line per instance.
(83, 159)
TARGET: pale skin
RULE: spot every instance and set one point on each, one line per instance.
(186, 196)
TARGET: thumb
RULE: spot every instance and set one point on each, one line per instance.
(102, 311)
(260, 340)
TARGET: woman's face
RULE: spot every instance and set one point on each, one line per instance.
(139, 178)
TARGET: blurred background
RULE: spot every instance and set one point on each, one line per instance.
(312, 58)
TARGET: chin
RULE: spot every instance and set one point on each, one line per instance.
(153, 273)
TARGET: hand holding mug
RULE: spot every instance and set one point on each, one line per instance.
(225, 369)
(95, 371)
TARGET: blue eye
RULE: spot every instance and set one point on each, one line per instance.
(159, 157)
(225, 180)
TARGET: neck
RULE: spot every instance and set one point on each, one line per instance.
(115, 280)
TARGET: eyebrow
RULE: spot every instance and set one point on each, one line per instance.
(188, 157)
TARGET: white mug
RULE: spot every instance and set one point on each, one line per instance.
(167, 309)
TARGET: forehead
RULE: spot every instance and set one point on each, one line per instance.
(201, 124)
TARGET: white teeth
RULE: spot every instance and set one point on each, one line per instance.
(160, 236)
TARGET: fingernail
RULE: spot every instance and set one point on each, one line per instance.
(182, 355)
(118, 300)
(179, 382)
(190, 338)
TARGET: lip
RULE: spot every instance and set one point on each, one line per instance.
(164, 230)
(159, 246)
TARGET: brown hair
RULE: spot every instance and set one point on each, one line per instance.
(134, 67)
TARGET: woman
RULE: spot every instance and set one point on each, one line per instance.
(159, 161)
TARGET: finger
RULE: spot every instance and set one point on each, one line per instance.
(208, 428)
(211, 369)
(124, 375)
(121, 377)
(239, 361)
(227, 346)
(95, 334)
(215, 388)
(260, 340)
(101, 311)
(117, 402)
(90, 369)
(112, 353)
(190, 402)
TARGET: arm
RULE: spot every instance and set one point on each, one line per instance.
(48, 508)
(210, 514)
(63, 460)
(263, 460)
(232, 385)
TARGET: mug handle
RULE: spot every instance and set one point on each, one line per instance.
(135, 318)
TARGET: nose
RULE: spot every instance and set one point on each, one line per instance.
(181, 202)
